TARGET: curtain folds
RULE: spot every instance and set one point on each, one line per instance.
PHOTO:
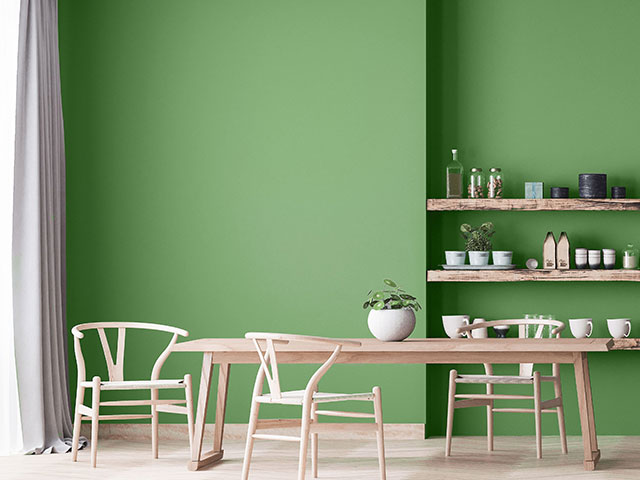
(39, 275)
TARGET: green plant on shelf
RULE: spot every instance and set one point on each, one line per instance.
(477, 239)
(391, 297)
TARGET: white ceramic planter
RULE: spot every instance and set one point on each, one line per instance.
(392, 325)
(479, 258)
(502, 257)
(455, 257)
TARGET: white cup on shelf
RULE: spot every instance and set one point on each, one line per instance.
(581, 327)
(619, 327)
(452, 323)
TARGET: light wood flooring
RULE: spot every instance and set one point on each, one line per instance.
(342, 459)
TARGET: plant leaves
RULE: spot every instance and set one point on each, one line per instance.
(390, 282)
(395, 297)
(378, 305)
(378, 295)
(406, 296)
(366, 305)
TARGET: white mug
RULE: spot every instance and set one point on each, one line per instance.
(452, 323)
(581, 327)
(619, 327)
(479, 332)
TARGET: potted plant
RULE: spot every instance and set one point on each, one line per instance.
(392, 316)
(478, 242)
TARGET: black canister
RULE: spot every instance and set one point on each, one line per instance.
(618, 192)
(559, 192)
(593, 185)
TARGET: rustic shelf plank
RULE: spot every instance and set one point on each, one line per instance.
(527, 205)
(524, 275)
(626, 344)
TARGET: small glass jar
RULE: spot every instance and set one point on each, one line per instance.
(495, 183)
(630, 257)
(475, 189)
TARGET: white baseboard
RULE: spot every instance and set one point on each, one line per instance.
(238, 431)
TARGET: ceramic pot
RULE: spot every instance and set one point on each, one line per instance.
(479, 258)
(391, 325)
(455, 257)
(502, 257)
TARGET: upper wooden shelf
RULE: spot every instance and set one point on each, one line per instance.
(524, 275)
(521, 204)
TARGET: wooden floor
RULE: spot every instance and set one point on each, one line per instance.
(343, 459)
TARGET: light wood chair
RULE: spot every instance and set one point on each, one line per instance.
(526, 376)
(309, 398)
(117, 382)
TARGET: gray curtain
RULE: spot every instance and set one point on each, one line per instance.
(39, 276)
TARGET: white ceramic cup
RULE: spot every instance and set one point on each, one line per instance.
(501, 257)
(581, 327)
(455, 257)
(479, 332)
(594, 259)
(581, 251)
(452, 323)
(619, 327)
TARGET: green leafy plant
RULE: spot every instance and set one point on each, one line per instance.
(391, 297)
(477, 239)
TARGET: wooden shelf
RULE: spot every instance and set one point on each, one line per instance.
(525, 275)
(626, 344)
(521, 204)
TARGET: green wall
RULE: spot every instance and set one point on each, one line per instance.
(238, 165)
(546, 90)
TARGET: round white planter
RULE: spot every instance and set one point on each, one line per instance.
(392, 325)
(479, 258)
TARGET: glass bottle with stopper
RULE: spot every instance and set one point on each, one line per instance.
(454, 176)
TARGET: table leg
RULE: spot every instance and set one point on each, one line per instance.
(587, 419)
(221, 406)
(197, 458)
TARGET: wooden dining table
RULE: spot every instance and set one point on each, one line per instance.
(227, 351)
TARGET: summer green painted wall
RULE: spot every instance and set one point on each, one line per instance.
(546, 90)
(238, 165)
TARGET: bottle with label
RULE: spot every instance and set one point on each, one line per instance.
(549, 252)
(454, 176)
(562, 252)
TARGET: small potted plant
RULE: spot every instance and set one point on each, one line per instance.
(392, 316)
(478, 242)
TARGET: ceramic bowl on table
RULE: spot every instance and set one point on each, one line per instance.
(501, 331)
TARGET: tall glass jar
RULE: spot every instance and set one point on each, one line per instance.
(495, 183)
(454, 176)
(630, 257)
(475, 189)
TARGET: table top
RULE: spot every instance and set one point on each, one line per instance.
(413, 345)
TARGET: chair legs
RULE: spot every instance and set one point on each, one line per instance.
(537, 406)
(560, 411)
(95, 413)
(188, 395)
(77, 423)
(304, 439)
(154, 424)
(377, 409)
(253, 423)
(314, 443)
(453, 374)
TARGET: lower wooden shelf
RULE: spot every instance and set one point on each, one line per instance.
(525, 275)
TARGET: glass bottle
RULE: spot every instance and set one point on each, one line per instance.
(630, 257)
(454, 176)
(495, 183)
(475, 188)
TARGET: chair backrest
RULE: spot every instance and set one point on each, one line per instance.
(269, 358)
(526, 369)
(116, 367)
